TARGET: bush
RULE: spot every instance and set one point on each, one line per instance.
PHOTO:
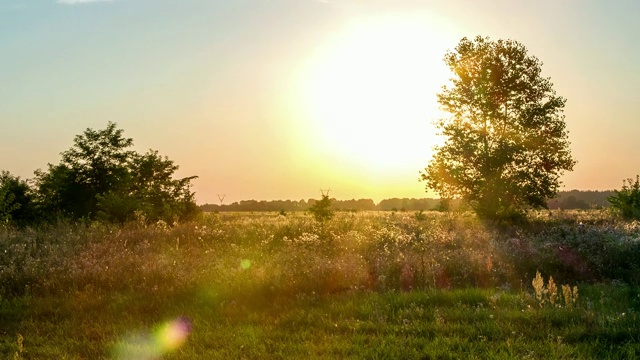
(627, 201)
(320, 209)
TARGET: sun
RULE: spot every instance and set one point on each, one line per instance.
(369, 94)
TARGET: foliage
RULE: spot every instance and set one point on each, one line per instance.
(100, 178)
(321, 209)
(95, 165)
(506, 144)
(151, 190)
(7, 204)
(16, 200)
(627, 200)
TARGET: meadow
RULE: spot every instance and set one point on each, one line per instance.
(363, 285)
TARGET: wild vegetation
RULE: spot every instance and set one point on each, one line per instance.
(358, 285)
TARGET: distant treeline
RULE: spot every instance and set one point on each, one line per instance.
(576, 199)
(340, 205)
(573, 199)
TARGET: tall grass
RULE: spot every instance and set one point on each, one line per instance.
(294, 254)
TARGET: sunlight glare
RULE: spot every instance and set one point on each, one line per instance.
(370, 93)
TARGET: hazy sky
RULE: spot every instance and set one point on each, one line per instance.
(275, 99)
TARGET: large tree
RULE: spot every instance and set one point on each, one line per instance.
(506, 144)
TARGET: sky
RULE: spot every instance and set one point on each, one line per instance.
(277, 99)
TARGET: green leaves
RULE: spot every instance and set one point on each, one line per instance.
(506, 143)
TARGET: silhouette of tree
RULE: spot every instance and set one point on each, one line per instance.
(506, 144)
(96, 164)
(99, 177)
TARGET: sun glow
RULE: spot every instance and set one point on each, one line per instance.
(370, 93)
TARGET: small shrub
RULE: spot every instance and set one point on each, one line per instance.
(320, 210)
(421, 216)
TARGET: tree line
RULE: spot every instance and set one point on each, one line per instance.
(99, 178)
(336, 205)
(576, 199)
(568, 200)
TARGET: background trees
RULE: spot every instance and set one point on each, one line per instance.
(506, 143)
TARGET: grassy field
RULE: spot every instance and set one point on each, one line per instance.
(363, 285)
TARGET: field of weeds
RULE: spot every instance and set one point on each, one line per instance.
(361, 285)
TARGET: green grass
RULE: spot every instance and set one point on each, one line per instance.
(466, 323)
(361, 286)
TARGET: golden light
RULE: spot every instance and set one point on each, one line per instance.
(369, 94)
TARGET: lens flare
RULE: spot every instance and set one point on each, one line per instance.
(166, 337)
(245, 264)
(170, 336)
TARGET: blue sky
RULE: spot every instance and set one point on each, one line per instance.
(219, 86)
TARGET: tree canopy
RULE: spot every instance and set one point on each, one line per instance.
(100, 177)
(506, 142)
